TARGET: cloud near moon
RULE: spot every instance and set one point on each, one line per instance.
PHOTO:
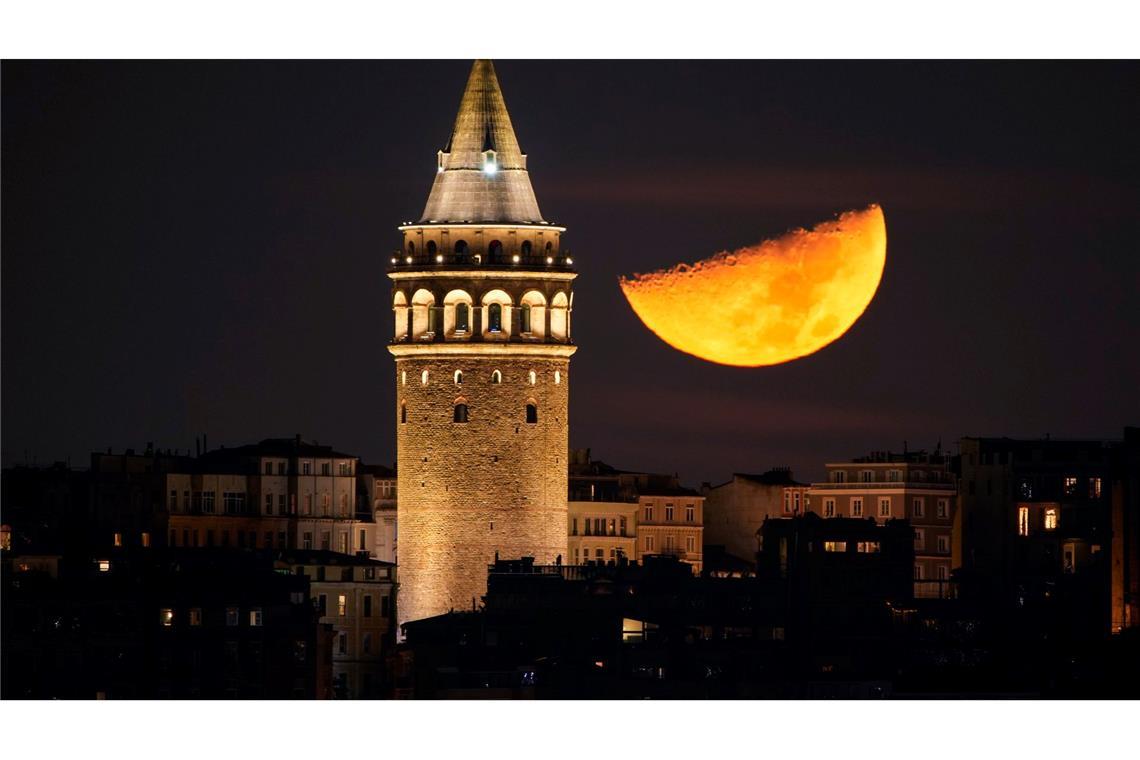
(768, 303)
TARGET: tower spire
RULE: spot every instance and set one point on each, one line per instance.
(481, 174)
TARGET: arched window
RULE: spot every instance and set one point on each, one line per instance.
(559, 317)
(549, 247)
(411, 248)
(526, 248)
(495, 318)
(532, 413)
(403, 412)
(460, 414)
(402, 313)
(533, 377)
(431, 248)
(462, 318)
(496, 377)
(458, 377)
(424, 377)
(524, 318)
(461, 248)
(404, 377)
(495, 252)
(557, 377)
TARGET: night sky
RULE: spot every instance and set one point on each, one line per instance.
(198, 248)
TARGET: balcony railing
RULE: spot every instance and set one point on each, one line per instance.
(883, 485)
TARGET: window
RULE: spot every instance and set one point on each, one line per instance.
(1070, 486)
(944, 544)
(363, 539)
(531, 414)
(117, 539)
(322, 603)
(533, 377)
(611, 527)
(943, 508)
(648, 513)
(342, 605)
(918, 507)
(166, 617)
(1094, 488)
(574, 526)
(885, 507)
(787, 502)
(649, 543)
(104, 565)
(255, 617)
(280, 468)
(208, 502)
(231, 616)
(690, 544)
(623, 527)
(268, 467)
(144, 539)
(460, 413)
(943, 573)
(174, 500)
(1051, 518)
(342, 643)
(796, 501)
(462, 318)
(424, 377)
(919, 538)
(307, 541)
(894, 476)
(325, 469)
(306, 468)
(867, 547)
(829, 507)
(835, 546)
(344, 468)
(524, 318)
(1023, 521)
(557, 377)
(344, 543)
(458, 377)
(495, 317)
(384, 608)
(195, 616)
(918, 573)
(367, 643)
(867, 476)
(282, 540)
(403, 413)
(600, 554)
(857, 507)
(326, 540)
(668, 513)
(496, 377)
(368, 605)
(690, 513)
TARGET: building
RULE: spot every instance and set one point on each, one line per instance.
(1036, 531)
(734, 511)
(163, 624)
(377, 489)
(281, 493)
(355, 597)
(481, 297)
(915, 486)
(670, 523)
(1125, 495)
(602, 531)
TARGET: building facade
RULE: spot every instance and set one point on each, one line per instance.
(915, 486)
(734, 511)
(377, 488)
(602, 531)
(481, 298)
(670, 523)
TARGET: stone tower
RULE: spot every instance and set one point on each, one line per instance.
(481, 295)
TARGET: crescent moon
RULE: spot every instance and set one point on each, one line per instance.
(769, 303)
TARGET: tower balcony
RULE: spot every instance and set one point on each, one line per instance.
(403, 261)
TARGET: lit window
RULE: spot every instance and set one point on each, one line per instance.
(1023, 521)
(195, 616)
(867, 547)
(1051, 518)
(104, 565)
(829, 507)
(1094, 488)
(404, 377)
(458, 377)
(167, 617)
(424, 377)
(117, 539)
(533, 377)
(1070, 486)
(255, 617)
(557, 377)
(496, 377)
(835, 546)
(342, 605)
(856, 507)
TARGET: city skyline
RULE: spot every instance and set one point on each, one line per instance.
(261, 200)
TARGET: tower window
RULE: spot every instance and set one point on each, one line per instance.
(458, 377)
(424, 377)
(495, 317)
(533, 377)
(431, 248)
(403, 413)
(532, 413)
(404, 377)
(524, 318)
(496, 377)
(495, 252)
(411, 248)
(462, 318)
(526, 248)
(460, 248)
(557, 377)
(460, 414)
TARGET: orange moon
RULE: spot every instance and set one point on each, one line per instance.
(768, 303)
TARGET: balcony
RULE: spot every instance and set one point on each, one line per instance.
(924, 485)
(401, 261)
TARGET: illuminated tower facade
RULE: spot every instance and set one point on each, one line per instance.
(481, 298)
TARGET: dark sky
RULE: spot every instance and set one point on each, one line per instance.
(199, 248)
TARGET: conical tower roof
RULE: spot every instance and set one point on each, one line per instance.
(482, 173)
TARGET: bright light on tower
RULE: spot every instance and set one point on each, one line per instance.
(489, 166)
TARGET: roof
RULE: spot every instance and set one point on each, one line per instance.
(776, 477)
(278, 447)
(327, 557)
(377, 470)
(463, 191)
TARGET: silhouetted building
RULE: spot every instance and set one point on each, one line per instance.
(163, 624)
(735, 510)
(1125, 495)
